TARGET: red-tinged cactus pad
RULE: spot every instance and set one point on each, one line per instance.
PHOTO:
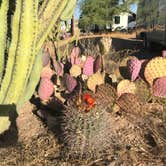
(159, 87)
(134, 66)
(126, 86)
(155, 68)
(78, 61)
(74, 55)
(46, 58)
(98, 63)
(70, 82)
(46, 89)
(59, 67)
(88, 66)
(46, 72)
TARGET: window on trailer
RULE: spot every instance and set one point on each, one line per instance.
(117, 19)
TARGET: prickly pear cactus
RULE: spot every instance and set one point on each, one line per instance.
(88, 66)
(70, 82)
(94, 80)
(126, 86)
(75, 70)
(85, 125)
(75, 55)
(134, 66)
(129, 102)
(143, 91)
(46, 72)
(46, 88)
(154, 69)
(98, 64)
(159, 87)
(58, 67)
(46, 58)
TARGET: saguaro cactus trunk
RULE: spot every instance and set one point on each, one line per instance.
(30, 26)
(3, 31)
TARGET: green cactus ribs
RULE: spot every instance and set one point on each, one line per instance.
(3, 33)
(23, 53)
(30, 27)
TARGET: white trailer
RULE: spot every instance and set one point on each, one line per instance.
(123, 22)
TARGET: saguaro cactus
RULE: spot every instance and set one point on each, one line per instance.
(3, 31)
(30, 26)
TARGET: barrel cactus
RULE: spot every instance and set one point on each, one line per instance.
(86, 124)
(30, 26)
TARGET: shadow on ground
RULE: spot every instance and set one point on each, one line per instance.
(9, 137)
(137, 47)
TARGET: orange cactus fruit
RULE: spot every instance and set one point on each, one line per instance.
(89, 100)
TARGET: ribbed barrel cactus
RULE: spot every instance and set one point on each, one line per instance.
(22, 34)
(86, 124)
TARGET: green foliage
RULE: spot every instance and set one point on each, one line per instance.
(100, 12)
(97, 12)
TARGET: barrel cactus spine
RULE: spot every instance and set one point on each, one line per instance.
(86, 125)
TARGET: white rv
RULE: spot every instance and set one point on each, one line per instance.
(124, 22)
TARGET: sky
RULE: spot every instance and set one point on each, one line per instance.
(77, 10)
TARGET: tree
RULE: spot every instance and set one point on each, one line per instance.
(99, 13)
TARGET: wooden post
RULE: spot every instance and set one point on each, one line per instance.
(72, 25)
